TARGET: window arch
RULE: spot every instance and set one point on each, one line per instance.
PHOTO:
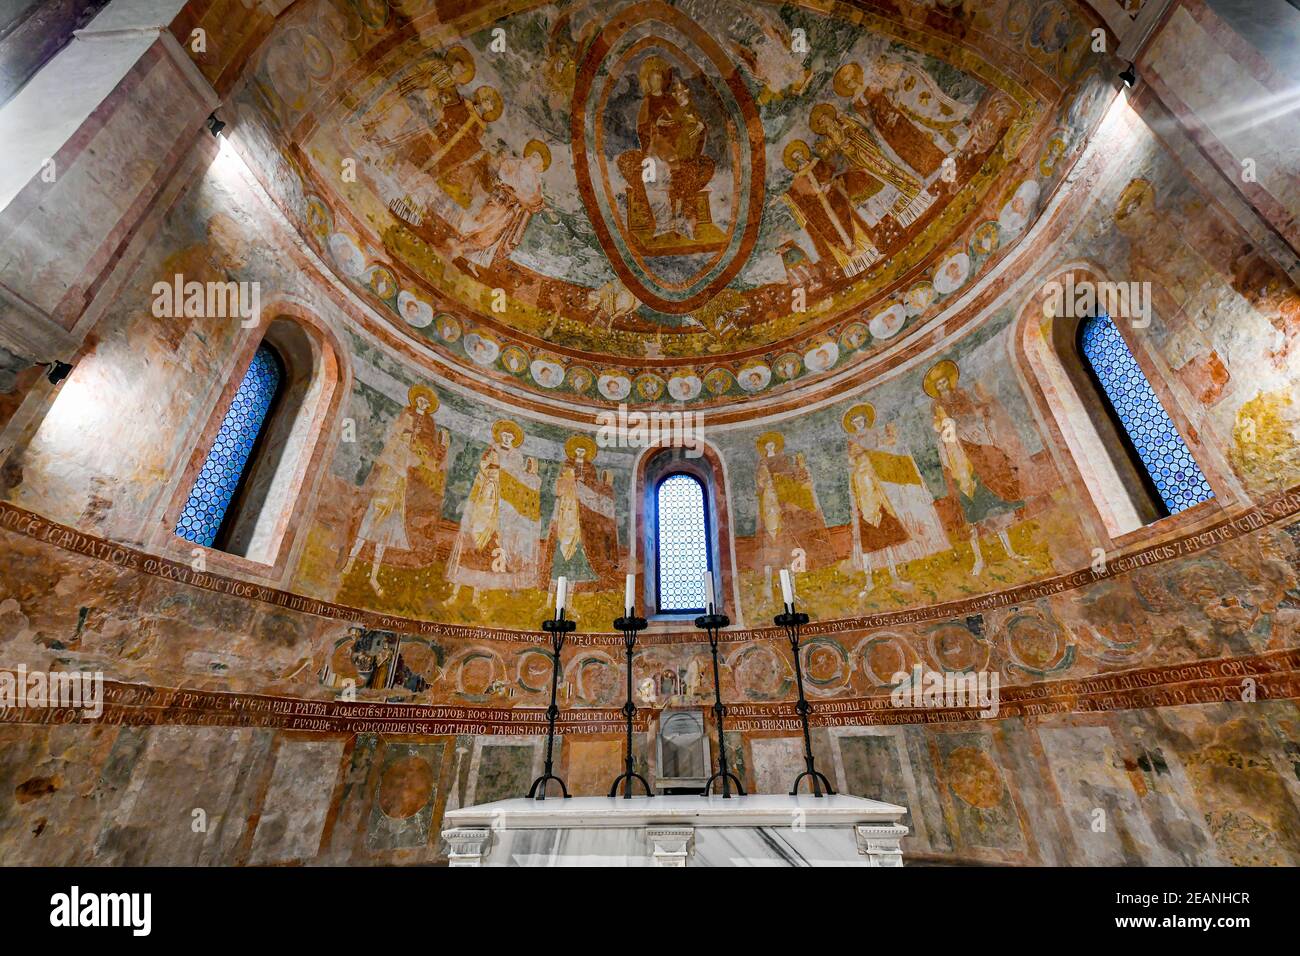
(1114, 423)
(1162, 457)
(254, 463)
(206, 516)
(683, 551)
(704, 466)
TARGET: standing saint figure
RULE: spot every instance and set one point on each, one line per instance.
(978, 448)
(405, 486)
(893, 511)
(496, 547)
(582, 541)
(790, 518)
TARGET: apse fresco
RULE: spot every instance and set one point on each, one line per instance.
(838, 258)
(453, 502)
(690, 202)
(440, 512)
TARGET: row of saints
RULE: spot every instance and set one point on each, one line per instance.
(501, 542)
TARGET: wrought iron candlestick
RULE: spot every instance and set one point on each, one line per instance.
(793, 621)
(629, 626)
(557, 628)
(712, 623)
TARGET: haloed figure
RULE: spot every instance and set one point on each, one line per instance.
(894, 517)
(977, 446)
(496, 547)
(582, 541)
(789, 515)
(410, 470)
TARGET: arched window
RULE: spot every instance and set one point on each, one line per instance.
(683, 551)
(206, 516)
(1160, 454)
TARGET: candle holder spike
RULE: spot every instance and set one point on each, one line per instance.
(712, 624)
(629, 625)
(558, 628)
(793, 622)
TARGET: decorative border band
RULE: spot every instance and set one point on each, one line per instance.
(31, 525)
(1274, 675)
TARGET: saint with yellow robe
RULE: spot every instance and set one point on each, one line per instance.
(843, 135)
(582, 542)
(893, 511)
(907, 109)
(789, 516)
(497, 545)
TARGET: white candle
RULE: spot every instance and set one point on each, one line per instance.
(787, 588)
(561, 592)
(708, 591)
(629, 601)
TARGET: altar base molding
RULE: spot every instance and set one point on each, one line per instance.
(677, 831)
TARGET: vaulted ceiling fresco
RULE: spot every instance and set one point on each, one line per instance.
(698, 202)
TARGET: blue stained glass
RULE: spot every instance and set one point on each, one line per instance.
(683, 543)
(215, 487)
(1174, 472)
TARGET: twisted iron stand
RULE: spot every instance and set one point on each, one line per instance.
(713, 623)
(629, 626)
(792, 621)
(557, 628)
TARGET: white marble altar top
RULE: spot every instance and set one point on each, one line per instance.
(754, 810)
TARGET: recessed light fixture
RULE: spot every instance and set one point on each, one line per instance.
(57, 371)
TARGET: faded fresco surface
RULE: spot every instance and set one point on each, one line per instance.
(902, 442)
(435, 505)
(575, 193)
(1205, 786)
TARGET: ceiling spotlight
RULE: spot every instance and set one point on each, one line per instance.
(1129, 76)
(57, 371)
(215, 126)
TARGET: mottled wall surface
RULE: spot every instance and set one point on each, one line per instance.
(110, 455)
(1124, 738)
(113, 465)
(1206, 786)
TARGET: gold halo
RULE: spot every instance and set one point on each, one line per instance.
(848, 80)
(495, 107)
(656, 64)
(506, 425)
(788, 154)
(459, 56)
(865, 409)
(417, 391)
(946, 370)
(822, 114)
(541, 149)
(581, 441)
(1136, 193)
(776, 438)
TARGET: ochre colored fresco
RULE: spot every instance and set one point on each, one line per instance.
(685, 180)
(840, 261)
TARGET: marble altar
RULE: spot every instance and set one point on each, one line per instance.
(678, 831)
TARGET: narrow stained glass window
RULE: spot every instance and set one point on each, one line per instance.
(1155, 441)
(683, 543)
(218, 481)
